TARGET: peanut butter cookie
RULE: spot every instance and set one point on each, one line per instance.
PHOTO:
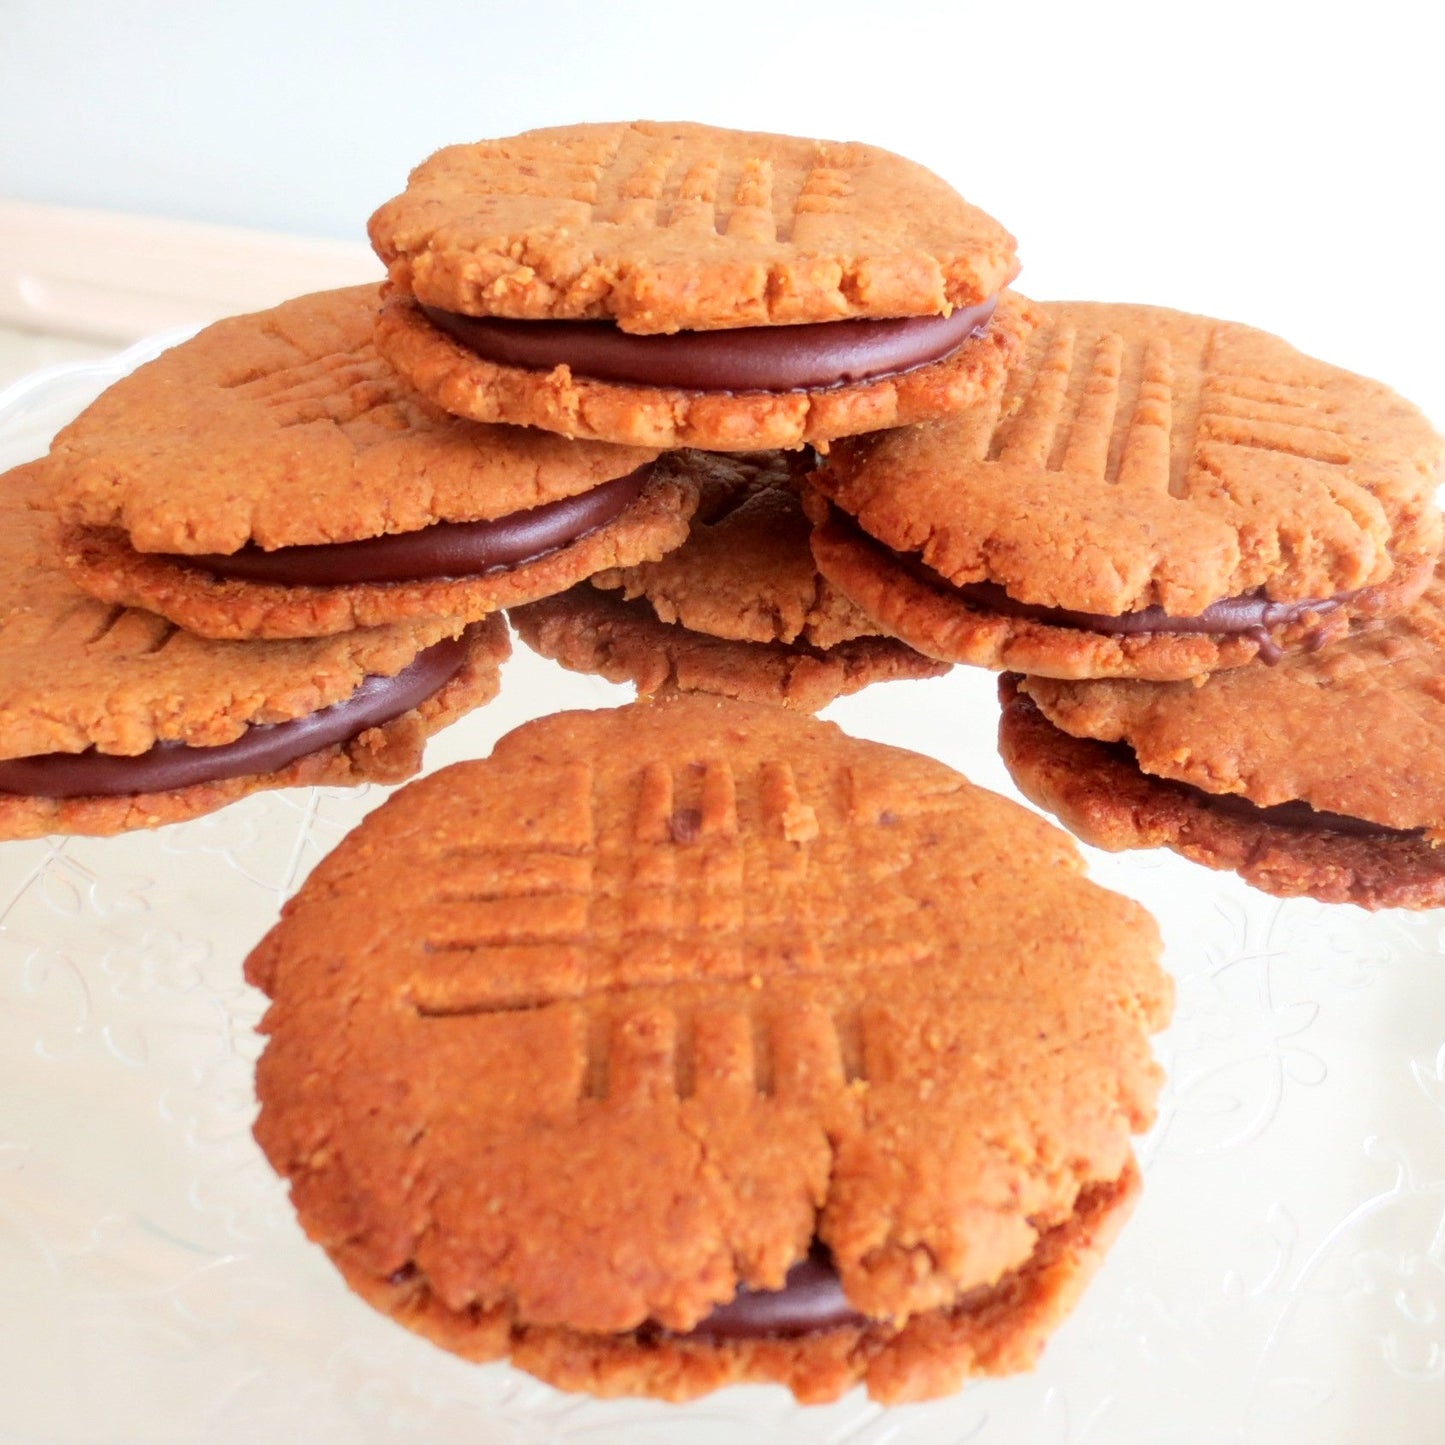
(1151, 495)
(1321, 776)
(738, 609)
(274, 478)
(695, 1042)
(680, 285)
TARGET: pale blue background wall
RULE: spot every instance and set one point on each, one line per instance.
(1269, 161)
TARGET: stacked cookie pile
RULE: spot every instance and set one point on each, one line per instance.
(694, 1042)
(113, 718)
(1113, 503)
(278, 480)
(1216, 574)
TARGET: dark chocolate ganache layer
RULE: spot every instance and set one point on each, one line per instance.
(262, 748)
(1251, 614)
(810, 1300)
(807, 357)
(443, 550)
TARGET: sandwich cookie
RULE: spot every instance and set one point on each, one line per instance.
(1152, 495)
(694, 1042)
(112, 718)
(738, 609)
(274, 478)
(1322, 776)
(671, 285)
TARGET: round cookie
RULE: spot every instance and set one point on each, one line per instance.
(1151, 495)
(112, 719)
(1322, 776)
(738, 609)
(657, 1008)
(274, 478)
(675, 285)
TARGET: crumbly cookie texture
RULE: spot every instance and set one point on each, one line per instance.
(651, 998)
(1139, 457)
(104, 564)
(467, 385)
(587, 631)
(78, 674)
(1110, 802)
(663, 227)
(285, 428)
(999, 1330)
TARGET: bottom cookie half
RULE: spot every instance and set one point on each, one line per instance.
(996, 1330)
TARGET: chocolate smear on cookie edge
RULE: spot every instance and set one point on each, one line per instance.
(438, 552)
(1299, 815)
(811, 1300)
(809, 356)
(1295, 814)
(262, 748)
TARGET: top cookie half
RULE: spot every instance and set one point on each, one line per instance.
(680, 285)
(661, 227)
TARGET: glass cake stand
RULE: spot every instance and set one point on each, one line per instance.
(1283, 1279)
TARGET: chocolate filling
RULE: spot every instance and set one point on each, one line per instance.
(806, 357)
(811, 1300)
(1251, 614)
(443, 550)
(262, 748)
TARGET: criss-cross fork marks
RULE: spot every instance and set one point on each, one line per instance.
(1136, 413)
(669, 186)
(717, 1054)
(1399, 659)
(545, 909)
(1265, 412)
(340, 387)
(650, 936)
(1102, 409)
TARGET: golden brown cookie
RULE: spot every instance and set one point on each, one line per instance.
(1151, 495)
(658, 1007)
(588, 631)
(738, 609)
(1321, 776)
(274, 478)
(682, 285)
(112, 719)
